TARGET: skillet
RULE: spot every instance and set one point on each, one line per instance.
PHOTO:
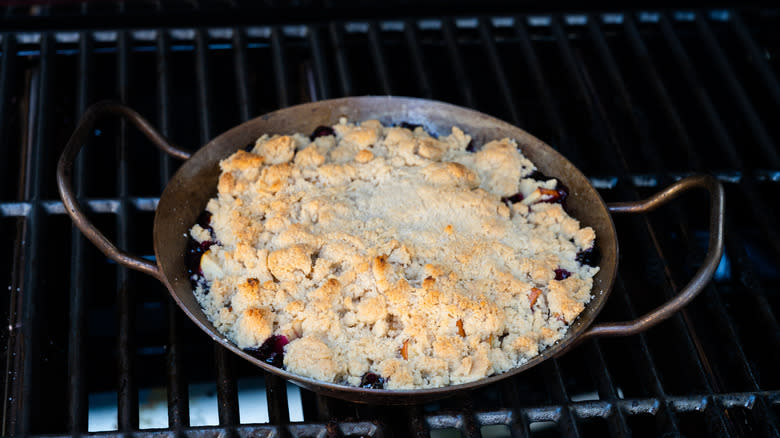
(188, 191)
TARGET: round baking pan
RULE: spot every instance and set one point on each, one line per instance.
(187, 193)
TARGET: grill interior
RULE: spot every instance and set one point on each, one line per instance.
(635, 100)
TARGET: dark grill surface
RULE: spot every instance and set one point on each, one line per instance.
(635, 100)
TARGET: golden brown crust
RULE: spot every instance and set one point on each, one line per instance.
(387, 250)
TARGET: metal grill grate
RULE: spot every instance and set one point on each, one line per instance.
(634, 100)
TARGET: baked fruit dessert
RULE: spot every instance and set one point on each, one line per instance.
(383, 257)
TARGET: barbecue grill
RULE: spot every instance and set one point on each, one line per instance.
(635, 99)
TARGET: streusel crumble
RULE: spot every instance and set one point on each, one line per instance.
(381, 256)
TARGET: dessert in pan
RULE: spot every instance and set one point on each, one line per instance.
(384, 264)
(385, 257)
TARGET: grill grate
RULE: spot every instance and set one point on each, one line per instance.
(636, 101)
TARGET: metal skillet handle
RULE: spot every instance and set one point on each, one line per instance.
(65, 184)
(703, 275)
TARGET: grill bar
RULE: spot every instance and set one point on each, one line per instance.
(276, 391)
(6, 71)
(755, 57)
(607, 389)
(649, 372)
(8, 67)
(324, 407)
(38, 129)
(163, 100)
(204, 90)
(738, 93)
(608, 182)
(27, 397)
(227, 390)
(127, 413)
(337, 40)
(377, 54)
(320, 68)
(561, 137)
(415, 52)
(14, 361)
(469, 425)
(77, 401)
(672, 115)
(245, 104)
(418, 427)
(498, 71)
(518, 421)
(557, 387)
(463, 81)
(605, 182)
(280, 67)
(611, 157)
(177, 394)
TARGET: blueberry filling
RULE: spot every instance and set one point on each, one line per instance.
(410, 126)
(557, 195)
(562, 274)
(509, 200)
(192, 260)
(372, 381)
(590, 256)
(195, 251)
(553, 196)
(539, 176)
(271, 352)
(413, 126)
(563, 192)
(204, 220)
(322, 131)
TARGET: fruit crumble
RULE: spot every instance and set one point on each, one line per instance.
(384, 257)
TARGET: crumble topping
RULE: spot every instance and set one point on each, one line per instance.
(388, 256)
